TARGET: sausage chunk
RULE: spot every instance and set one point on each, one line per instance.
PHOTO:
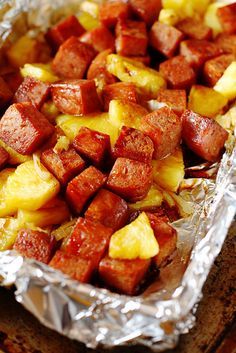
(227, 17)
(130, 179)
(93, 145)
(163, 126)
(100, 38)
(75, 97)
(133, 144)
(176, 99)
(83, 187)
(110, 12)
(5, 93)
(227, 42)
(73, 58)
(35, 245)
(64, 165)
(24, 128)
(146, 11)
(131, 38)
(4, 156)
(204, 136)
(214, 68)
(108, 209)
(165, 38)
(178, 73)
(33, 91)
(195, 29)
(120, 90)
(125, 276)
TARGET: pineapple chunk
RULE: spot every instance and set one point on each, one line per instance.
(5, 210)
(54, 212)
(99, 122)
(42, 72)
(64, 230)
(136, 240)
(186, 8)
(211, 19)
(168, 17)
(226, 85)
(206, 101)
(88, 21)
(15, 157)
(148, 80)
(125, 113)
(228, 120)
(50, 111)
(9, 228)
(30, 186)
(169, 172)
(153, 199)
(90, 7)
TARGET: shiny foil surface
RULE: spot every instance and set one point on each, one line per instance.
(97, 316)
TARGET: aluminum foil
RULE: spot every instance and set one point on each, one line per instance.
(97, 316)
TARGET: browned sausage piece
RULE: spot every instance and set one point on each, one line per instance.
(76, 97)
(97, 69)
(163, 126)
(130, 179)
(83, 187)
(227, 42)
(178, 73)
(93, 145)
(131, 38)
(227, 17)
(125, 276)
(194, 29)
(146, 11)
(35, 244)
(165, 38)
(73, 266)
(33, 91)
(12, 78)
(73, 58)
(197, 52)
(108, 209)
(133, 144)
(110, 12)
(65, 29)
(204, 136)
(124, 91)
(4, 156)
(100, 38)
(214, 68)
(5, 93)
(176, 99)
(24, 128)
(64, 165)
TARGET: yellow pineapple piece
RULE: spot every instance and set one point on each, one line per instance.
(136, 240)
(168, 17)
(226, 85)
(88, 21)
(169, 172)
(9, 228)
(206, 101)
(31, 186)
(153, 199)
(125, 113)
(5, 210)
(186, 8)
(50, 111)
(42, 72)
(147, 79)
(15, 157)
(228, 120)
(211, 19)
(64, 230)
(99, 122)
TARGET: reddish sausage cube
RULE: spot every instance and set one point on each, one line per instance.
(214, 68)
(76, 97)
(176, 99)
(163, 126)
(197, 52)
(65, 29)
(110, 12)
(178, 73)
(131, 38)
(24, 128)
(93, 145)
(195, 29)
(73, 266)
(33, 91)
(133, 144)
(226, 42)
(108, 209)
(227, 17)
(4, 156)
(64, 165)
(120, 90)
(73, 58)
(125, 276)
(130, 179)
(89, 240)
(165, 38)
(83, 187)
(204, 136)
(97, 69)
(100, 38)
(35, 245)
(146, 11)
(5, 93)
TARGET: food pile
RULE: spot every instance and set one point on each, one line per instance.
(102, 119)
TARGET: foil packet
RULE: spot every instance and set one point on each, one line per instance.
(97, 316)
